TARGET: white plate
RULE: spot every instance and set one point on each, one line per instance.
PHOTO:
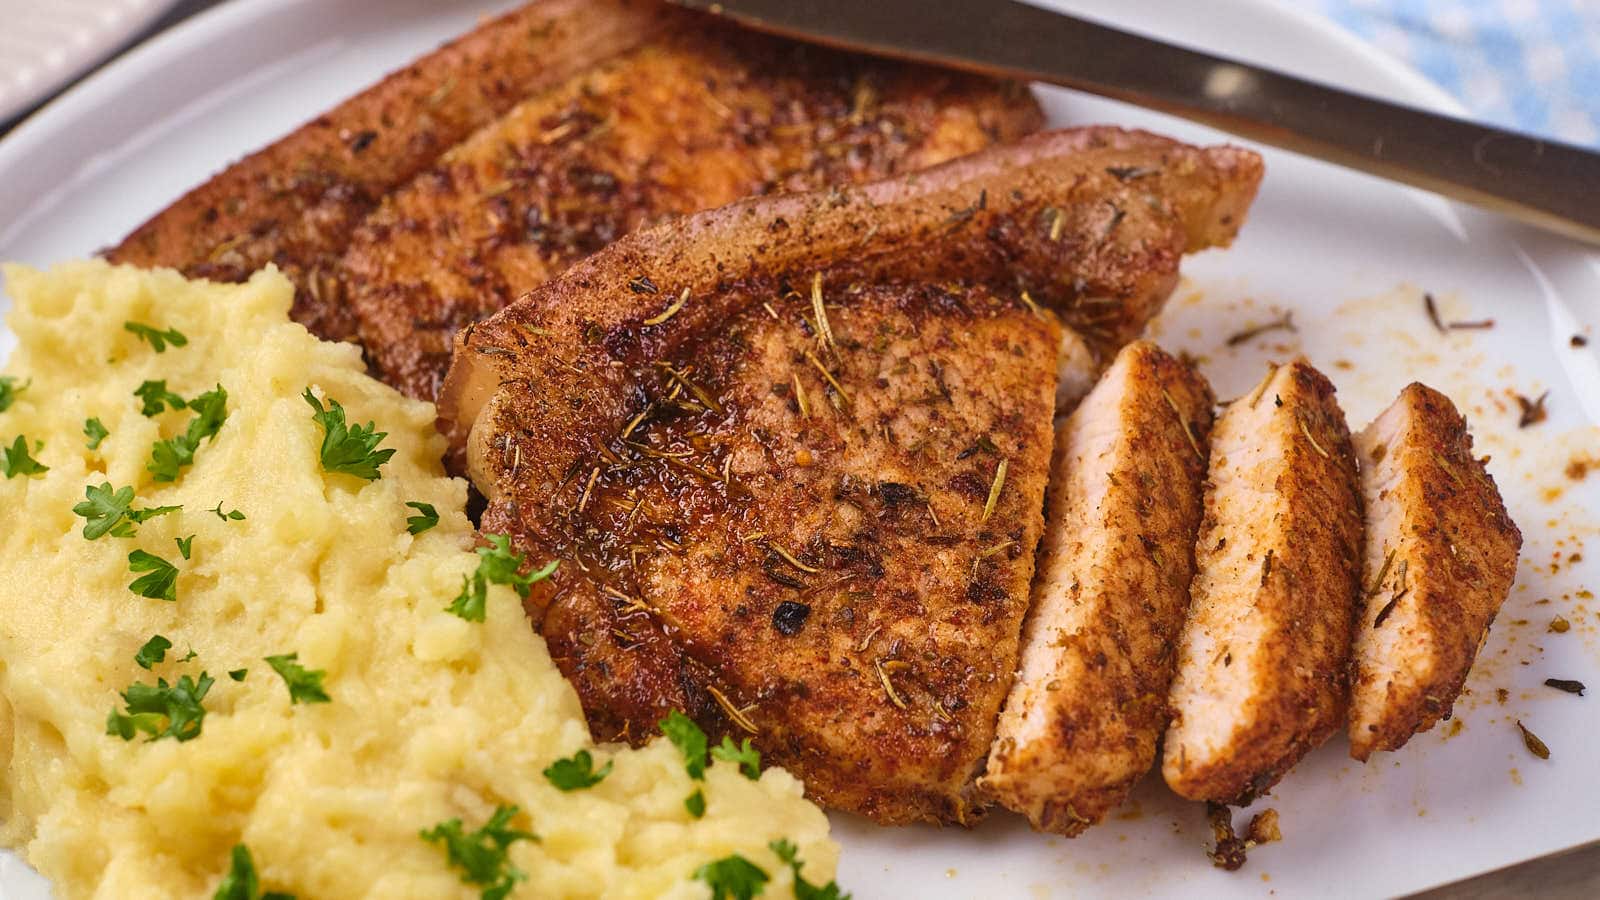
(1348, 254)
(44, 44)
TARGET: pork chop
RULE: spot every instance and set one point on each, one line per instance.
(1090, 701)
(1441, 554)
(295, 203)
(702, 115)
(792, 452)
(1263, 659)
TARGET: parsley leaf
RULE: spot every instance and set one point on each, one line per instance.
(748, 757)
(186, 546)
(232, 514)
(157, 338)
(238, 674)
(9, 389)
(804, 890)
(482, 855)
(241, 881)
(157, 398)
(167, 458)
(428, 517)
(95, 431)
(695, 803)
(162, 711)
(161, 582)
(732, 876)
(103, 510)
(18, 462)
(153, 651)
(352, 451)
(690, 741)
(496, 565)
(576, 772)
(305, 685)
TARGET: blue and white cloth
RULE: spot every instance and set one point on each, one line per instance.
(1533, 65)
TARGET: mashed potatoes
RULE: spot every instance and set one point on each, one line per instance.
(431, 717)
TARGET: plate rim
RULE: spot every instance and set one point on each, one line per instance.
(103, 48)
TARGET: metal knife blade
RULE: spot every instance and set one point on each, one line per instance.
(1545, 183)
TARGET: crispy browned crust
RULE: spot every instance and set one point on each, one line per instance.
(1116, 573)
(1461, 549)
(883, 696)
(1304, 601)
(296, 202)
(698, 117)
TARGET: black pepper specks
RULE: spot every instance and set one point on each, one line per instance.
(790, 617)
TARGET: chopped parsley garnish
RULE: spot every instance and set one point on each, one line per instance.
(496, 565)
(241, 881)
(160, 581)
(162, 711)
(351, 451)
(427, 517)
(186, 547)
(804, 890)
(231, 515)
(305, 685)
(732, 876)
(238, 674)
(153, 651)
(167, 458)
(9, 389)
(748, 757)
(576, 772)
(157, 338)
(157, 399)
(18, 462)
(108, 511)
(95, 431)
(483, 855)
(690, 741)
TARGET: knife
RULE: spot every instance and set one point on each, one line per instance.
(1545, 183)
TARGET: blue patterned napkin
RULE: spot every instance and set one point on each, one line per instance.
(1533, 65)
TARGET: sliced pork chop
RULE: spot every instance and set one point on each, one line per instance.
(1090, 701)
(792, 452)
(699, 117)
(1263, 660)
(1441, 554)
(296, 202)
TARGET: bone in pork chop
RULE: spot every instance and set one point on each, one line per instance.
(1262, 661)
(1441, 554)
(792, 452)
(1090, 701)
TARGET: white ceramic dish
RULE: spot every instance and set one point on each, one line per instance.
(44, 44)
(1349, 255)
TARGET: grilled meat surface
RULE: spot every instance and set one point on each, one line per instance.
(1090, 701)
(793, 451)
(1262, 663)
(700, 116)
(435, 197)
(1441, 554)
(295, 203)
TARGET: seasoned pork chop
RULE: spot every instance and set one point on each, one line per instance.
(697, 118)
(793, 451)
(296, 202)
(1262, 662)
(1090, 701)
(1440, 557)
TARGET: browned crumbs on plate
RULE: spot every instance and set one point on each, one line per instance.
(1533, 411)
(1532, 742)
(1229, 852)
(1263, 828)
(1579, 340)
